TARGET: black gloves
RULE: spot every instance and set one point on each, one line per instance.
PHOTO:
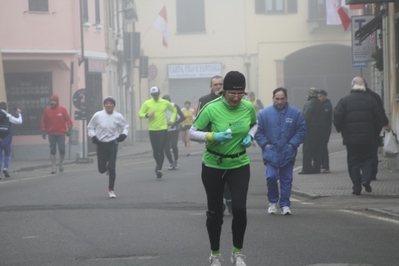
(95, 140)
(121, 138)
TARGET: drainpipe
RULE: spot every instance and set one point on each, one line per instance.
(387, 66)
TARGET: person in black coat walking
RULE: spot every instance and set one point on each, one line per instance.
(326, 131)
(359, 118)
(313, 113)
(216, 88)
(385, 123)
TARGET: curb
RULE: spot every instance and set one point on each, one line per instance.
(384, 212)
(306, 194)
(30, 168)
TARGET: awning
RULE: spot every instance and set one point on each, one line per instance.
(373, 25)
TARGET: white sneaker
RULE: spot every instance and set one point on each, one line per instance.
(286, 211)
(53, 170)
(272, 208)
(215, 260)
(177, 165)
(238, 259)
(171, 166)
(61, 167)
(111, 193)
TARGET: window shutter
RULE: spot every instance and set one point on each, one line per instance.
(313, 9)
(292, 6)
(260, 7)
(97, 8)
(85, 9)
(190, 16)
(38, 5)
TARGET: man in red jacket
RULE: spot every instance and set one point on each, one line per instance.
(57, 123)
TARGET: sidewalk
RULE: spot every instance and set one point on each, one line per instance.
(335, 183)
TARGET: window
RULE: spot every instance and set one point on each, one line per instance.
(190, 16)
(317, 10)
(276, 6)
(98, 16)
(38, 5)
(85, 9)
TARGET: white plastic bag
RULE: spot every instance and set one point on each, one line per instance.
(390, 145)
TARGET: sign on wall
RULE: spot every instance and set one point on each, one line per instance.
(194, 71)
(97, 65)
(363, 51)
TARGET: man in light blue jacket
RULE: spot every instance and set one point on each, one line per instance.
(281, 129)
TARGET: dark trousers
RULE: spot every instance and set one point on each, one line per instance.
(106, 160)
(171, 143)
(7, 155)
(214, 181)
(374, 155)
(158, 140)
(311, 148)
(325, 160)
(359, 158)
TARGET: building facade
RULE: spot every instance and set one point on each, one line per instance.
(60, 47)
(52, 47)
(274, 43)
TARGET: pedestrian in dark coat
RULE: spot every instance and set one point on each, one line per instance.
(359, 118)
(216, 88)
(385, 123)
(326, 131)
(313, 113)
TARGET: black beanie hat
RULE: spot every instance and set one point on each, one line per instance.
(234, 80)
(3, 106)
(109, 99)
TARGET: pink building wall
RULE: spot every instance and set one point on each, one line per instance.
(49, 42)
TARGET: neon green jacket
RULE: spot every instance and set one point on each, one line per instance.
(220, 117)
(158, 121)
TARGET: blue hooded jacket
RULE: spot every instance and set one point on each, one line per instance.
(283, 130)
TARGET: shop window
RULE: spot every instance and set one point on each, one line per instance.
(190, 16)
(38, 5)
(29, 92)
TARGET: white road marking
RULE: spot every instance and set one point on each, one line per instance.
(372, 216)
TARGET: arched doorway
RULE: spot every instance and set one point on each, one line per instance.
(326, 66)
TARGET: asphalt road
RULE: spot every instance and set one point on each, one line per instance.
(68, 219)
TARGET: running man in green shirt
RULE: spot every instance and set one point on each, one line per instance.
(155, 110)
(232, 123)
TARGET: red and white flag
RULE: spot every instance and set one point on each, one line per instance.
(161, 24)
(336, 14)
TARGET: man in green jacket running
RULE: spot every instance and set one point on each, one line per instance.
(155, 110)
